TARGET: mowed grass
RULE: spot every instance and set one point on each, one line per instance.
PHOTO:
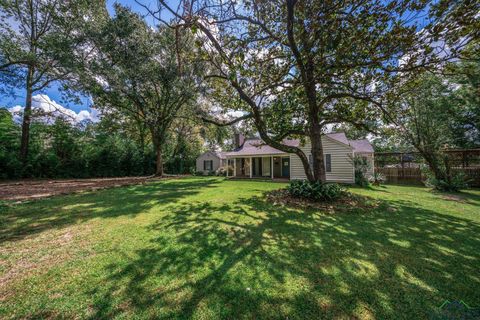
(207, 248)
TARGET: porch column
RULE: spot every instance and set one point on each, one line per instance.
(228, 166)
(250, 167)
(234, 167)
(271, 166)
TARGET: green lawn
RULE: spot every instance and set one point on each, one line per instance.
(207, 248)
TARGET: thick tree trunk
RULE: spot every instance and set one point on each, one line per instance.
(434, 164)
(158, 161)
(318, 165)
(27, 115)
(157, 139)
(306, 166)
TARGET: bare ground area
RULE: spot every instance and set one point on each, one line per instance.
(35, 189)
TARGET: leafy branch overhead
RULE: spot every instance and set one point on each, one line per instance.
(299, 66)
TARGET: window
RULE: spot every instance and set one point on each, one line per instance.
(328, 163)
(208, 165)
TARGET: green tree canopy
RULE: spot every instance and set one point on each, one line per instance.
(146, 74)
(298, 66)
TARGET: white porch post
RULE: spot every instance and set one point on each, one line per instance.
(250, 167)
(228, 166)
(271, 166)
(234, 167)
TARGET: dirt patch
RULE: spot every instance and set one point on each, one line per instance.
(349, 202)
(36, 189)
(452, 197)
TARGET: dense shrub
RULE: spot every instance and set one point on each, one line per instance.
(377, 178)
(455, 182)
(361, 168)
(221, 171)
(316, 191)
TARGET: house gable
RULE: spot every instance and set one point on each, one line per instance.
(341, 161)
(215, 157)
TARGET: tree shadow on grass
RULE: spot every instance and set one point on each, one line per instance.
(465, 196)
(57, 212)
(250, 259)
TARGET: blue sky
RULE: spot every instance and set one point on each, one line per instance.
(53, 92)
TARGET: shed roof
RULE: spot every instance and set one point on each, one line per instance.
(339, 136)
(361, 146)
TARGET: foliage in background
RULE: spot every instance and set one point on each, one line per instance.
(465, 103)
(9, 144)
(427, 118)
(104, 149)
(147, 75)
(36, 39)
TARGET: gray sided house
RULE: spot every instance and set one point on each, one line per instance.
(210, 161)
(254, 159)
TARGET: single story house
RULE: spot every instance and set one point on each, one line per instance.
(254, 159)
(210, 161)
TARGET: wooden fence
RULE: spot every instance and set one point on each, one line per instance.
(404, 168)
(402, 175)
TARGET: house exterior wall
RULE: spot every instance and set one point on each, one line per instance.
(217, 162)
(342, 161)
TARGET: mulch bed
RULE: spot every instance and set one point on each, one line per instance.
(35, 189)
(349, 202)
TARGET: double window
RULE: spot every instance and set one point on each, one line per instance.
(327, 159)
(208, 165)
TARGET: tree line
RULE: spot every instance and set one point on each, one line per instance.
(107, 148)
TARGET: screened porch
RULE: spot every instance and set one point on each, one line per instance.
(259, 167)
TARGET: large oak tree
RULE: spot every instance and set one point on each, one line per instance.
(298, 66)
(142, 72)
(36, 40)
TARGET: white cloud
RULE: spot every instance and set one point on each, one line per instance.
(47, 110)
(235, 114)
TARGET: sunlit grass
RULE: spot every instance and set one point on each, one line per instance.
(207, 248)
